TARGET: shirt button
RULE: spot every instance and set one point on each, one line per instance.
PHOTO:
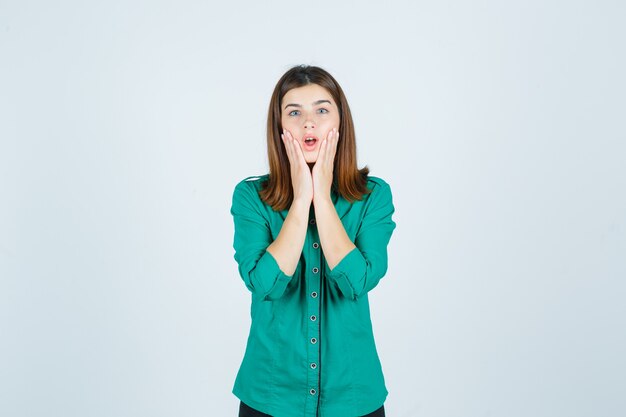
(313, 365)
(313, 340)
(312, 391)
(313, 318)
(315, 270)
(312, 221)
(314, 294)
(316, 245)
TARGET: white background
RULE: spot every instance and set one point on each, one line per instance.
(499, 125)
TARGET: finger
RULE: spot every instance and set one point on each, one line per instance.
(327, 146)
(299, 152)
(297, 149)
(335, 144)
(292, 145)
(294, 160)
(288, 146)
(321, 156)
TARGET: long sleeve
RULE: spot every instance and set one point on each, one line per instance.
(257, 267)
(362, 268)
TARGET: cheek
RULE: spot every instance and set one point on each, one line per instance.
(333, 123)
(286, 123)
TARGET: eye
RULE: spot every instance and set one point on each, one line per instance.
(290, 113)
(325, 111)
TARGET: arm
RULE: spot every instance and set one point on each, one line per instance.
(333, 237)
(358, 268)
(288, 245)
(258, 267)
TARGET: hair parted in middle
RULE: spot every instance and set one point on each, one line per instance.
(348, 180)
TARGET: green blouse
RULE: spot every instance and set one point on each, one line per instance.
(311, 351)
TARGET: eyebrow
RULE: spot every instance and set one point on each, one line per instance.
(315, 103)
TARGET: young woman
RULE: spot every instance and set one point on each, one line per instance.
(310, 242)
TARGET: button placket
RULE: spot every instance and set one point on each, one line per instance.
(313, 280)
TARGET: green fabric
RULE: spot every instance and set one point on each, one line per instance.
(276, 374)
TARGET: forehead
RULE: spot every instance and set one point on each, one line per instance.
(307, 94)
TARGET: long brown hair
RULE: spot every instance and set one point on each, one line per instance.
(348, 180)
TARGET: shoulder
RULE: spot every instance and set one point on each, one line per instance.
(376, 182)
(380, 195)
(379, 186)
(251, 182)
(248, 188)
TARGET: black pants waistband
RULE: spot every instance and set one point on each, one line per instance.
(246, 411)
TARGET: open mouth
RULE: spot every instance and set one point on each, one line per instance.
(310, 141)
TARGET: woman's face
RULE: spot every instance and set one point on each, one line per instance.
(309, 111)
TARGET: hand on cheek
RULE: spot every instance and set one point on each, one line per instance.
(323, 169)
(300, 171)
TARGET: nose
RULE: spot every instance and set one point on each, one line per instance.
(309, 124)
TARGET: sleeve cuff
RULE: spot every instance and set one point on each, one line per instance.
(349, 273)
(273, 280)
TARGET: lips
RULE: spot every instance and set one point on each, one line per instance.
(309, 144)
